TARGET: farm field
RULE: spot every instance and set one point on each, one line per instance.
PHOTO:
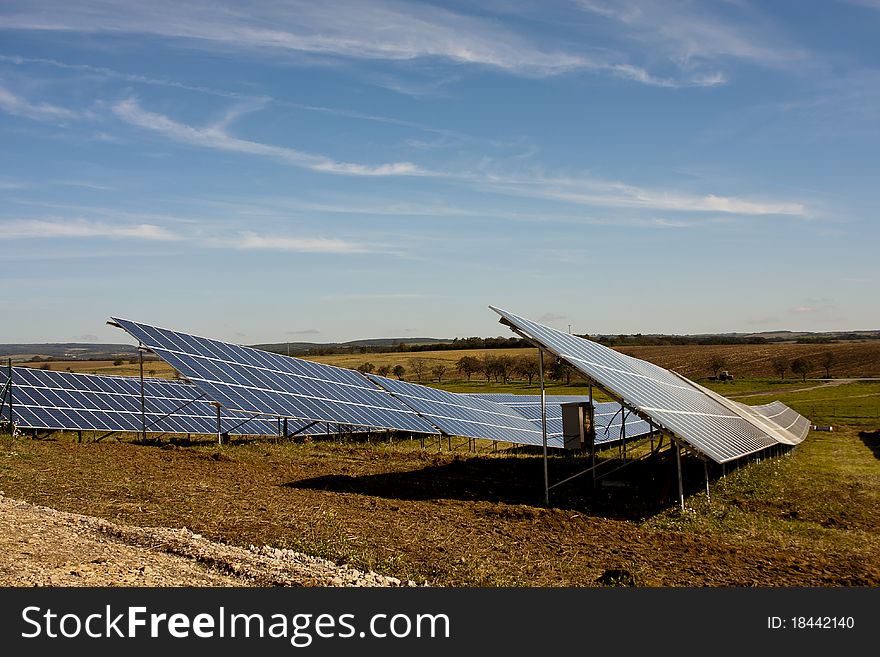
(746, 362)
(811, 518)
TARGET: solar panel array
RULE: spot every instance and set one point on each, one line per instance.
(463, 415)
(255, 381)
(45, 399)
(718, 428)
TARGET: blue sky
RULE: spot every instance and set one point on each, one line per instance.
(281, 171)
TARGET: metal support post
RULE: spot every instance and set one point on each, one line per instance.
(678, 468)
(592, 437)
(143, 396)
(544, 427)
(9, 388)
(284, 429)
(706, 473)
(219, 425)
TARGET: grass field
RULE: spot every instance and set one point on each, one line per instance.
(811, 518)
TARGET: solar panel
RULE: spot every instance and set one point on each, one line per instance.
(462, 415)
(46, 399)
(717, 427)
(255, 381)
(785, 417)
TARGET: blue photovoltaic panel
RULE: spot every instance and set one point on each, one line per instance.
(45, 399)
(461, 415)
(785, 417)
(607, 415)
(255, 381)
(717, 427)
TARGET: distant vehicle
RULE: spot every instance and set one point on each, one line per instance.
(724, 375)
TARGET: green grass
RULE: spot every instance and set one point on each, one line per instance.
(739, 386)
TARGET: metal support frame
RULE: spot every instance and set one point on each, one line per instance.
(706, 473)
(7, 393)
(288, 435)
(544, 427)
(219, 423)
(143, 396)
(677, 449)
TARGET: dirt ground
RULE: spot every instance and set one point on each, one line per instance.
(440, 518)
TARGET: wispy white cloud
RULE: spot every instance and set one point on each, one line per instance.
(597, 192)
(252, 241)
(17, 105)
(379, 30)
(698, 37)
(216, 137)
(83, 228)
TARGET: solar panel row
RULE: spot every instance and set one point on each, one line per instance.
(706, 421)
(255, 381)
(46, 399)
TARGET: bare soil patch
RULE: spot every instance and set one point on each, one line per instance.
(448, 519)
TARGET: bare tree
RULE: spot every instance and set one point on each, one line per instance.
(828, 360)
(528, 367)
(385, 370)
(399, 371)
(438, 371)
(418, 367)
(801, 366)
(366, 368)
(780, 365)
(717, 363)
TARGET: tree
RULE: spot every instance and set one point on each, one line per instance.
(467, 365)
(117, 362)
(528, 367)
(366, 368)
(780, 365)
(717, 363)
(385, 370)
(488, 366)
(801, 366)
(418, 367)
(560, 370)
(504, 367)
(439, 371)
(828, 361)
(399, 371)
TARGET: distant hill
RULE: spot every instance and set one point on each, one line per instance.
(68, 351)
(353, 346)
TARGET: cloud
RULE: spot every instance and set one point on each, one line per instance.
(379, 30)
(88, 337)
(215, 137)
(696, 37)
(309, 331)
(377, 296)
(551, 317)
(597, 192)
(250, 241)
(83, 228)
(16, 105)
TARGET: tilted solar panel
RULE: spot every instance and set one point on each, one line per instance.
(706, 421)
(46, 399)
(255, 381)
(785, 417)
(462, 415)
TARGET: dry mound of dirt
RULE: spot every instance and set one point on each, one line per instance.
(40, 546)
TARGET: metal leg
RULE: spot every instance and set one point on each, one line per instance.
(544, 427)
(706, 473)
(678, 468)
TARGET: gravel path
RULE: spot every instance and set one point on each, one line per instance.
(40, 546)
